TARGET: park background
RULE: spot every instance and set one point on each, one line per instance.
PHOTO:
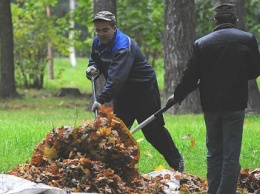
(40, 71)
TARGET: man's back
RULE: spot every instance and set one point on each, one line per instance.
(225, 58)
(221, 64)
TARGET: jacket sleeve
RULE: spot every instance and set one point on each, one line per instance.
(117, 75)
(91, 61)
(189, 80)
(254, 65)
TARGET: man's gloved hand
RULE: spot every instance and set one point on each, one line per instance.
(92, 72)
(171, 101)
(96, 105)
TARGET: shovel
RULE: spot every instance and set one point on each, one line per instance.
(152, 117)
(94, 73)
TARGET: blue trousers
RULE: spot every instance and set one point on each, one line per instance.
(223, 141)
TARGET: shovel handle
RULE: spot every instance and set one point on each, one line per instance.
(151, 118)
(94, 95)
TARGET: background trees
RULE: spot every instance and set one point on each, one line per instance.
(144, 20)
(7, 80)
(145, 25)
(33, 30)
(253, 92)
(179, 16)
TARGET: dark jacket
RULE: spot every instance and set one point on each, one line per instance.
(221, 64)
(124, 66)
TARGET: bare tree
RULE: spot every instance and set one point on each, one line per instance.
(178, 35)
(7, 78)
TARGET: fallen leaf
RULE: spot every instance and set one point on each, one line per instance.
(192, 143)
(158, 168)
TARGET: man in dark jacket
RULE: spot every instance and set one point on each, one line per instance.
(131, 84)
(221, 64)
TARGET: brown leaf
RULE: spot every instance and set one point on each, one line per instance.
(192, 143)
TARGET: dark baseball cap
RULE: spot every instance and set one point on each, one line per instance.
(224, 9)
(104, 15)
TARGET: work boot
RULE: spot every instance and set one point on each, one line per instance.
(181, 167)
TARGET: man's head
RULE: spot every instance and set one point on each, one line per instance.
(226, 13)
(104, 26)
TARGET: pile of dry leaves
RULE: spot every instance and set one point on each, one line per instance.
(100, 157)
(249, 181)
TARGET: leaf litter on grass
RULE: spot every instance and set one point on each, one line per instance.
(100, 156)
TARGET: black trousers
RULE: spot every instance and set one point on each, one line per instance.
(224, 139)
(139, 105)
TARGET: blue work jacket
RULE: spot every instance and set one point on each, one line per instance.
(125, 68)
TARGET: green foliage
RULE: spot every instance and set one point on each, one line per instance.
(204, 13)
(143, 20)
(145, 25)
(68, 77)
(82, 17)
(32, 32)
(252, 17)
(30, 46)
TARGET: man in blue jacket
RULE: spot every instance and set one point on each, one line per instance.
(131, 84)
(221, 64)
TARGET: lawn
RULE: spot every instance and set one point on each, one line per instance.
(24, 122)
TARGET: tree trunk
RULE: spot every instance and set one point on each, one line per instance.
(103, 5)
(253, 91)
(240, 5)
(178, 35)
(7, 79)
(253, 97)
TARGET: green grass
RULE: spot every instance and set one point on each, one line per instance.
(24, 122)
(67, 76)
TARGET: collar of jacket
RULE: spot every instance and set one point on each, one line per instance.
(224, 26)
